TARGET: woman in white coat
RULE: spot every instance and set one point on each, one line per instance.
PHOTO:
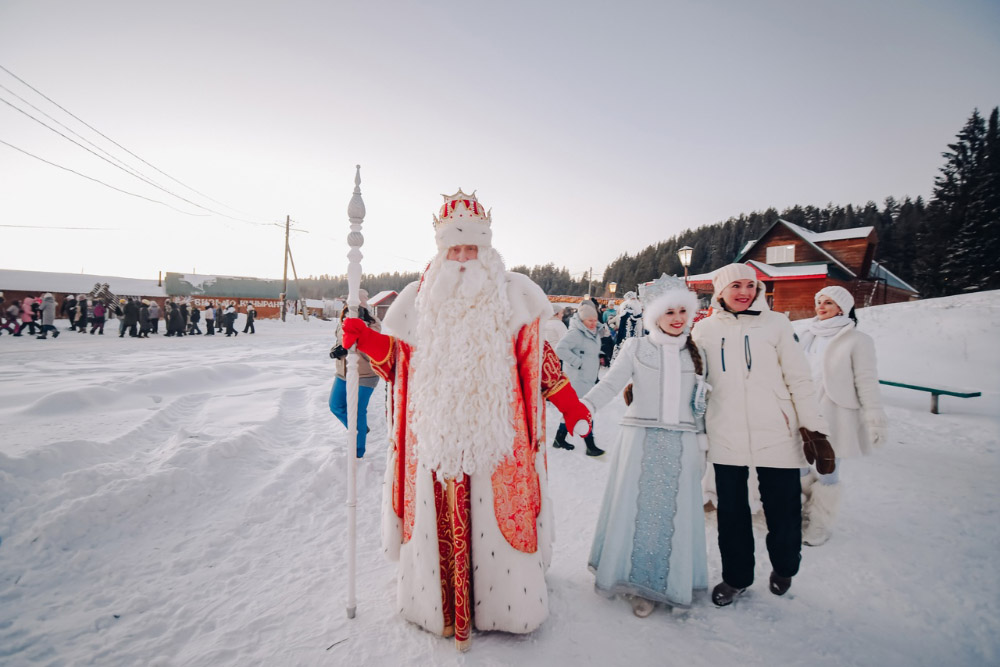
(842, 360)
(762, 394)
(650, 539)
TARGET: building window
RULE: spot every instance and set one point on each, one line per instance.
(780, 254)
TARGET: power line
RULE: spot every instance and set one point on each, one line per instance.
(106, 229)
(139, 176)
(97, 180)
(113, 141)
(55, 120)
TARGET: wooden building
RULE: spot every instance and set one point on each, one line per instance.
(201, 290)
(794, 263)
(16, 285)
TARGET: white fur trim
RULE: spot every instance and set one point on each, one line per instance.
(509, 585)
(672, 299)
(418, 586)
(463, 232)
(527, 302)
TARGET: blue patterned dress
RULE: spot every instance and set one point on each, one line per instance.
(650, 536)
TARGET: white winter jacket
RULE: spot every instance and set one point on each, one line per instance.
(849, 396)
(762, 389)
(658, 400)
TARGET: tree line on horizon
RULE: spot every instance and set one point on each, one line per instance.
(947, 245)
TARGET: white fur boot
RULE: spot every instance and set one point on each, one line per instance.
(807, 482)
(821, 508)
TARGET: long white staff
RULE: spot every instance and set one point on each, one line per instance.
(355, 239)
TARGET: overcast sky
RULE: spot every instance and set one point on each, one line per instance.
(591, 129)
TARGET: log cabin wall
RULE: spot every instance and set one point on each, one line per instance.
(781, 235)
(796, 298)
(855, 254)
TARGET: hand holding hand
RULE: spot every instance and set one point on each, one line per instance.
(575, 414)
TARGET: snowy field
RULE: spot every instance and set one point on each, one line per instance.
(181, 502)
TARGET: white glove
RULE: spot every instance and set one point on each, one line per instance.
(875, 423)
(582, 428)
(702, 441)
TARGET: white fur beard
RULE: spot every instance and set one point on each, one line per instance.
(462, 383)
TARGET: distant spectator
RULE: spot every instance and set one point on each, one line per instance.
(194, 317)
(553, 328)
(154, 317)
(97, 322)
(251, 316)
(210, 320)
(48, 314)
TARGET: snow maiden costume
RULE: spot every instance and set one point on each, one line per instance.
(465, 508)
(650, 537)
(845, 372)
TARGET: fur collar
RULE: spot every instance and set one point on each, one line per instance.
(527, 302)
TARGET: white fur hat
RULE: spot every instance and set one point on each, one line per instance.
(840, 296)
(730, 273)
(664, 293)
(463, 221)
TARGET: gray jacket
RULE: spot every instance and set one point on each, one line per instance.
(49, 310)
(639, 361)
(580, 351)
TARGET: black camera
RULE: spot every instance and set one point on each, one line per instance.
(338, 352)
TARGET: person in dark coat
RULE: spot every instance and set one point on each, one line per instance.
(131, 318)
(144, 325)
(231, 320)
(68, 310)
(195, 317)
(251, 316)
(175, 321)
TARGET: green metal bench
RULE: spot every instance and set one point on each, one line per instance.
(934, 391)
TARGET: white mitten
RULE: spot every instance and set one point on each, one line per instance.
(582, 428)
(876, 425)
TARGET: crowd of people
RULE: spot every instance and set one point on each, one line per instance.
(137, 318)
(472, 352)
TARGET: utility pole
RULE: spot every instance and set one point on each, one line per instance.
(590, 281)
(284, 277)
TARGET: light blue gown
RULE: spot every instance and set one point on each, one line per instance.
(650, 536)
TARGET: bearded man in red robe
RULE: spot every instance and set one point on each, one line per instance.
(465, 506)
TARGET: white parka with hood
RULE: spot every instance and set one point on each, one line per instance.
(762, 388)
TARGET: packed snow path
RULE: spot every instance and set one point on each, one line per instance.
(181, 502)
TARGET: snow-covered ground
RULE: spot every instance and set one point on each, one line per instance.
(181, 502)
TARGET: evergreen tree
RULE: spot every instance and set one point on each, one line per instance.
(946, 256)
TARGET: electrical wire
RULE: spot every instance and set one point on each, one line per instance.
(85, 123)
(140, 177)
(97, 180)
(105, 229)
(55, 120)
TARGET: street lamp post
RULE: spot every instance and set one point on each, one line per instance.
(684, 254)
(611, 288)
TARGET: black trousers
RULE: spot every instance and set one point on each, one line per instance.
(780, 491)
(210, 327)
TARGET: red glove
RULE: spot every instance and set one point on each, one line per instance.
(572, 409)
(376, 345)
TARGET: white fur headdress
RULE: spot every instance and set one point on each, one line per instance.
(463, 221)
(664, 293)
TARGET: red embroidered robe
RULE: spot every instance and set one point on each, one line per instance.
(475, 550)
